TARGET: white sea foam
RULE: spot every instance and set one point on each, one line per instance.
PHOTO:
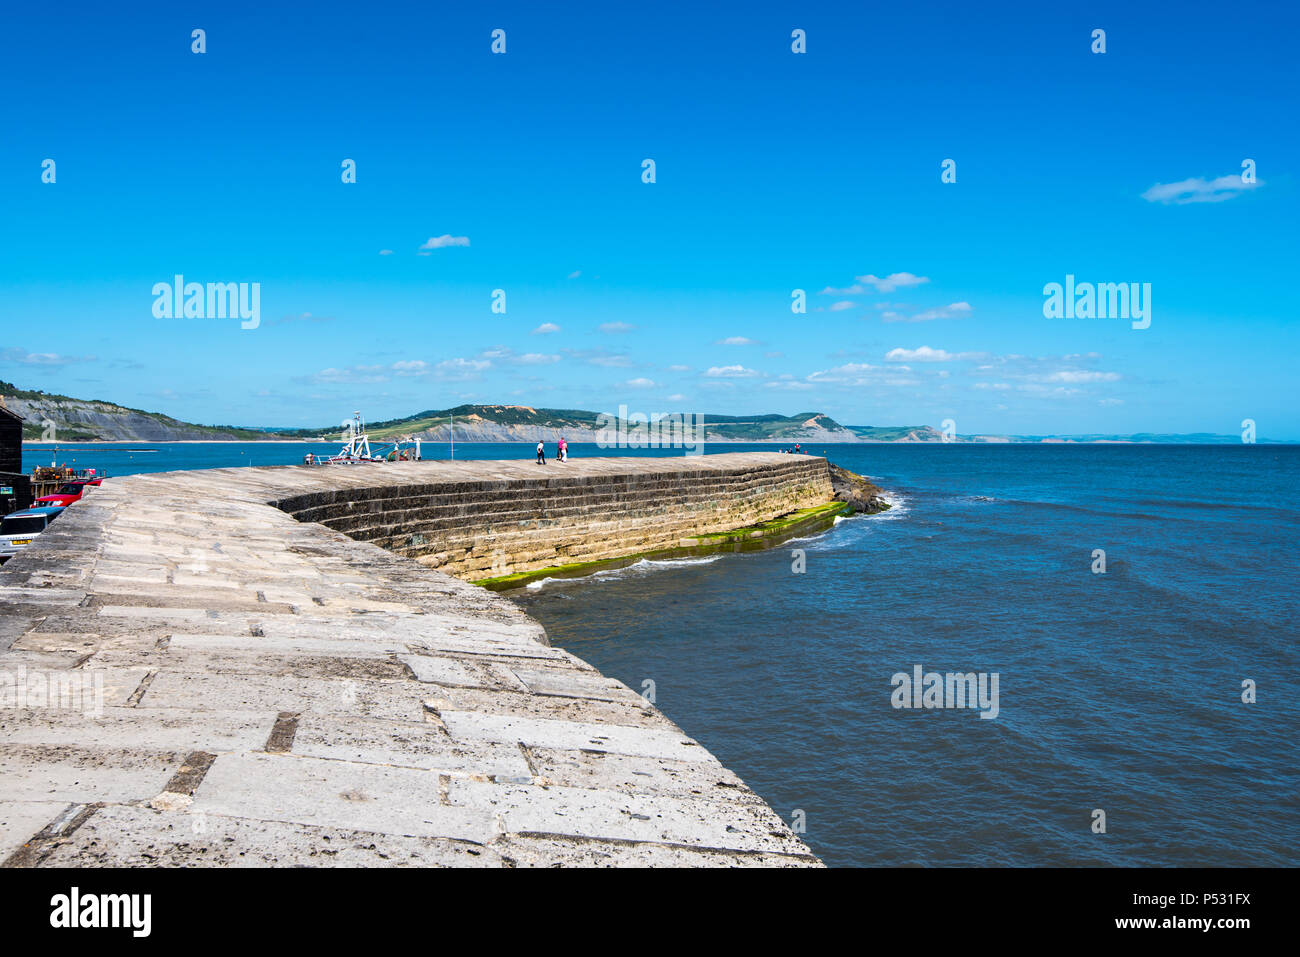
(900, 506)
(669, 562)
(641, 566)
(815, 536)
(972, 500)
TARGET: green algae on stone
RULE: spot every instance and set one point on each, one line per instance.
(750, 538)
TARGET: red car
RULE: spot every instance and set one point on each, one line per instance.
(68, 493)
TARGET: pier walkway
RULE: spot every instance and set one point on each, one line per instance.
(191, 676)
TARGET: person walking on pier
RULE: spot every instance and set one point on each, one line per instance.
(563, 450)
(541, 453)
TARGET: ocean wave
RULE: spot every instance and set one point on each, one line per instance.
(972, 501)
(641, 566)
(537, 585)
(900, 506)
(852, 530)
(669, 562)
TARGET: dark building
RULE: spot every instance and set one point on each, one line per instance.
(15, 492)
(11, 440)
(15, 488)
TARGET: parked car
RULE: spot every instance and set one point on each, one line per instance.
(17, 529)
(68, 493)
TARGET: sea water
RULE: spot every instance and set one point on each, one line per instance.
(1121, 681)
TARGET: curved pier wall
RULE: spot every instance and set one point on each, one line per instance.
(245, 689)
(610, 508)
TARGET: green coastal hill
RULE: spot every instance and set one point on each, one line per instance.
(71, 419)
(87, 420)
(514, 423)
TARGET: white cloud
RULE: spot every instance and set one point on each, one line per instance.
(1199, 190)
(1049, 392)
(504, 354)
(844, 372)
(1051, 377)
(895, 280)
(1075, 375)
(730, 372)
(385, 252)
(40, 358)
(842, 305)
(924, 354)
(575, 274)
(790, 384)
(955, 310)
(442, 242)
(735, 341)
(599, 357)
(641, 383)
(863, 374)
(616, 327)
(351, 375)
(677, 397)
(461, 370)
(546, 328)
(679, 368)
(609, 362)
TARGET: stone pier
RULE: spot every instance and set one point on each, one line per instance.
(482, 520)
(192, 675)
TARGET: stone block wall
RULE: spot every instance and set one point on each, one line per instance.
(485, 529)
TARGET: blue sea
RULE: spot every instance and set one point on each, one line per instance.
(1119, 691)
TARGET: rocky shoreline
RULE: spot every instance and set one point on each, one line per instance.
(860, 493)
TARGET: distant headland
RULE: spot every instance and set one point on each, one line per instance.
(53, 417)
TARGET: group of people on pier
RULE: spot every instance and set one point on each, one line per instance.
(561, 451)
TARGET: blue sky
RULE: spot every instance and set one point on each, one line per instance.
(775, 171)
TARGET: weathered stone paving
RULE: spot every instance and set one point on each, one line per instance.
(276, 693)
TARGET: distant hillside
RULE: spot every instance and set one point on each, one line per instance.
(523, 423)
(82, 420)
(85, 420)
